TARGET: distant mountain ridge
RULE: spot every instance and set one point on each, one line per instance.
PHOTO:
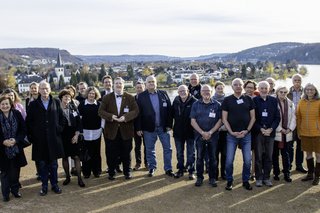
(304, 53)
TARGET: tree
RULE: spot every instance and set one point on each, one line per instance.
(102, 72)
(243, 71)
(162, 78)
(61, 82)
(146, 72)
(130, 72)
(73, 80)
(269, 68)
(51, 82)
(111, 72)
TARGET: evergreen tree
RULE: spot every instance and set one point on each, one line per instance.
(73, 80)
(61, 82)
(102, 71)
(130, 72)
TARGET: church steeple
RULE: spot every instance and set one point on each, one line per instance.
(59, 61)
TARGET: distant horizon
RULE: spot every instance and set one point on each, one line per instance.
(176, 28)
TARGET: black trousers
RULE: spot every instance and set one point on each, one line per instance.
(10, 179)
(119, 147)
(137, 149)
(222, 150)
(94, 164)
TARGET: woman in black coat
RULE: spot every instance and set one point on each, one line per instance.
(70, 135)
(12, 158)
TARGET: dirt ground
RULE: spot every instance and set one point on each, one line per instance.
(162, 193)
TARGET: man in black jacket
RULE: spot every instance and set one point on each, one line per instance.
(183, 131)
(155, 121)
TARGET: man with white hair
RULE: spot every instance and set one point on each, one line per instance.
(153, 121)
(267, 121)
(45, 122)
(183, 131)
(195, 86)
(238, 116)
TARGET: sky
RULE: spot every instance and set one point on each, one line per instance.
(167, 27)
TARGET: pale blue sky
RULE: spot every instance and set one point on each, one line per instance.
(169, 27)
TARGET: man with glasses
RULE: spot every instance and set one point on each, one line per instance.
(295, 93)
(195, 86)
(238, 116)
(272, 85)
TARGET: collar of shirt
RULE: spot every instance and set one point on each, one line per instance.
(87, 102)
(108, 91)
(152, 93)
(118, 95)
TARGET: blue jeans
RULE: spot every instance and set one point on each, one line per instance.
(190, 154)
(209, 147)
(47, 168)
(150, 141)
(232, 143)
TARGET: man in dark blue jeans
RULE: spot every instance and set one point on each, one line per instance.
(183, 131)
(206, 120)
(238, 116)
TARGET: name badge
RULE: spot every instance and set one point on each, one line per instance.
(164, 104)
(212, 115)
(126, 109)
(264, 114)
(240, 101)
(75, 114)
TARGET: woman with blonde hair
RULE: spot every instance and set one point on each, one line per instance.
(308, 119)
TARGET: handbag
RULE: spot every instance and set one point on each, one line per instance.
(83, 150)
(12, 151)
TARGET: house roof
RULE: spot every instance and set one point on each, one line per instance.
(30, 79)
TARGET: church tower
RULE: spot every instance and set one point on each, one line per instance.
(59, 69)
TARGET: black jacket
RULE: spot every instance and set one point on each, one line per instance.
(182, 128)
(146, 118)
(20, 159)
(44, 130)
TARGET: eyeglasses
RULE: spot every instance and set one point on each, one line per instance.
(283, 92)
(310, 89)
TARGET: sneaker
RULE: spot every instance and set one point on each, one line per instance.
(212, 182)
(229, 185)
(199, 182)
(179, 174)
(137, 167)
(258, 183)
(192, 176)
(287, 178)
(247, 185)
(252, 178)
(267, 183)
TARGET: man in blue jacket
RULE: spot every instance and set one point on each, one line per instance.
(155, 121)
(267, 120)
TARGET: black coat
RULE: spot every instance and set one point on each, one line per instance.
(44, 130)
(146, 118)
(20, 160)
(182, 128)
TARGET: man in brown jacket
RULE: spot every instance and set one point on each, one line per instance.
(119, 110)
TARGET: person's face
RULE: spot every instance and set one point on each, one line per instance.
(282, 94)
(219, 90)
(66, 99)
(151, 83)
(5, 106)
(11, 95)
(107, 83)
(271, 83)
(139, 88)
(91, 96)
(263, 89)
(34, 90)
(237, 86)
(194, 81)
(118, 86)
(183, 92)
(310, 92)
(296, 82)
(206, 93)
(249, 89)
(71, 92)
(44, 90)
(82, 89)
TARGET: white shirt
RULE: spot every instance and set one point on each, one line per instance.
(118, 102)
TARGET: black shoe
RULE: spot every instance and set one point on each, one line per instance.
(199, 182)
(128, 176)
(17, 195)
(96, 175)
(276, 177)
(43, 192)
(56, 189)
(151, 172)
(212, 182)
(137, 167)
(301, 169)
(247, 185)
(170, 173)
(20, 186)
(224, 177)
(6, 199)
(179, 174)
(252, 178)
(229, 185)
(111, 177)
(66, 181)
(86, 176)
(287, 178)
(81, 183)
(192, 176)
(38, 178)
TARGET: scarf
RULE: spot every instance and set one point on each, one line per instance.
(284, 116)
(218, 97)
(9, 127)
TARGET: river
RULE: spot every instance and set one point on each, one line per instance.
(313, 76)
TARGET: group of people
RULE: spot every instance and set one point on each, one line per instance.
(262, 121)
